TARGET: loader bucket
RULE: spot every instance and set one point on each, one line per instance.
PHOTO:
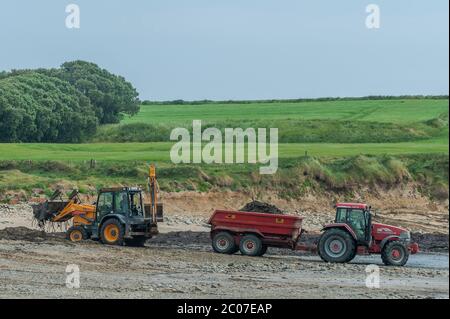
(46, 211)
(40, 212)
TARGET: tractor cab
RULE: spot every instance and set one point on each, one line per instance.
(358, 217)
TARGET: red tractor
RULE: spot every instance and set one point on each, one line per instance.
(353, 232)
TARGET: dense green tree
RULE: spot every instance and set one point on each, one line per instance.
(35, 107)
(109, 94)
(62, 105)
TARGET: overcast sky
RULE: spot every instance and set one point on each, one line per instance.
(239, 49)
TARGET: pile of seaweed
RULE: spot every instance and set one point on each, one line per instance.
(261, 207)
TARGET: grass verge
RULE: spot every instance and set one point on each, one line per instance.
(293, 178)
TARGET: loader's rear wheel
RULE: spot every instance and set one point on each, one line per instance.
(76, 233)
(223, 243)
(394, 253)
(337, 246)
(251, 245)
(112, 232)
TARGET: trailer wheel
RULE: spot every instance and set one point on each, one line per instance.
(263, 250)
(235, 249)
(76, 233)
(394, 253)
(250, 245)
(112, 232)
(336, 246)
(223, 243)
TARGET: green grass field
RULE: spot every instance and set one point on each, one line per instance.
(350, 121)
(386, 111)
(159, 151)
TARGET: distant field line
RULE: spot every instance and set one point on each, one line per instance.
(159, 151)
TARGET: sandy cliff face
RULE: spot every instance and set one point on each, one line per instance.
(403, 206)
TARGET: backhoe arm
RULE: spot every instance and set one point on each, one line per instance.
(72, 209)
(153, 190)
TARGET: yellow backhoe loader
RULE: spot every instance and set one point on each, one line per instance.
(119, 216)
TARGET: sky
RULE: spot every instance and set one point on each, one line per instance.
(236, 49)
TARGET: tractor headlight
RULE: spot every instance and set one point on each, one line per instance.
(406, 235)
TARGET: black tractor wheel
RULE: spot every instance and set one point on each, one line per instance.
(223, 243)
(394, 253)
(352, 256)
(336, 246)
(251, 245)
(138, 241)
(76, 233)
(112, 232)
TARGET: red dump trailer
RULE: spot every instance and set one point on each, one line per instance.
(252, 233)
(351, 233)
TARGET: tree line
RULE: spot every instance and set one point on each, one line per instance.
(64, 104)
(320, 99)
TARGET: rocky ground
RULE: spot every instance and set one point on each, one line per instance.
(179, 263)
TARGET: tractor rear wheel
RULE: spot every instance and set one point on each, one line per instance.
(251, 245)
(136, 241)
(223, 243)
(112, 232)
(76, 233)
(394, 253)
(336, 246)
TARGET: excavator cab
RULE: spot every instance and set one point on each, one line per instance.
(127, 202)
(121, 217)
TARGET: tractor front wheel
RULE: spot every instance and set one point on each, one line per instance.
(112, 232)
(394, 253)
(336, 246)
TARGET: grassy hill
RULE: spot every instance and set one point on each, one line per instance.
(352, 121)
(386, 111)
(349, 144)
